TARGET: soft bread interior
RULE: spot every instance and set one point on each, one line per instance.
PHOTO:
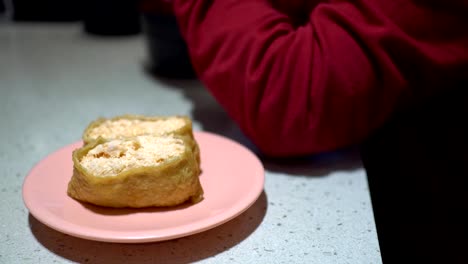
(120, 155)
(119, 128)
(126, 126)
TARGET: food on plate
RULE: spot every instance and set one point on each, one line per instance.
(137, 125)
(139, 171)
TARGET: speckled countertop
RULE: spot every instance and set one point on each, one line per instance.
(53, 79)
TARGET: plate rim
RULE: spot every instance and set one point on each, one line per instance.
(58, 224)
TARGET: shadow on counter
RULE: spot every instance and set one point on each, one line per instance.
(210, 115)
(319, 165)
(182, 250)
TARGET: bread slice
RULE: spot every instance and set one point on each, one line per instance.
(136, 125)
(137, 172)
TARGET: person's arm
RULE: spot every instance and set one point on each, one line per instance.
(295, 91)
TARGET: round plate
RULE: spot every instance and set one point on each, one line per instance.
(232, 180)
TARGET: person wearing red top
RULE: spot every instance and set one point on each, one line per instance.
(303, 77)
(320, 75)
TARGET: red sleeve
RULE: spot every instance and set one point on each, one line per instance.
(323, 85)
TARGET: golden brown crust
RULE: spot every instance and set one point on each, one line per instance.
(170, 183)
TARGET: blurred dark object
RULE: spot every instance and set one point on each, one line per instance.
(2, 7)
(417, 167)
(160, 7)
(167, 50)
(46, 10)
(111, 17)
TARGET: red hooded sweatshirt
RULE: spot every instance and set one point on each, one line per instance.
(302, 77)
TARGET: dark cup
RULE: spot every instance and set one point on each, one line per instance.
(2, 7)
(111, 17)
(167, 50)
(46, 10)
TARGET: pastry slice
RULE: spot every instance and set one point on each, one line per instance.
(137, 172)
(136, 125)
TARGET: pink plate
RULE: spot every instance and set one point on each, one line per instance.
(232, 179)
